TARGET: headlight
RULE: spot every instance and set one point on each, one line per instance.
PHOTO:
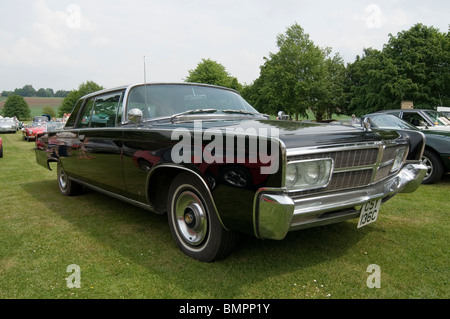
(309, 174)
(400, 156)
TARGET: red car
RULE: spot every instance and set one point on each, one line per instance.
(32, 130)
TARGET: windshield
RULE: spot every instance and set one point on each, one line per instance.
(438, 118)
(390, 122)
(52, 126)
(7, 122)
(165, 100)
(35, 124)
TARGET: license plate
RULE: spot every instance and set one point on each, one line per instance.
(369, 212)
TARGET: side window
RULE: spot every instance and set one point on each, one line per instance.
(71, 120)
(414, 119)
(105, 110)
(101, 111)
(85, 115)
(120, 109)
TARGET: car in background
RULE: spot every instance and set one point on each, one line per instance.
(35, 129)
(30, 131)
(444, 110)
(8, 125)
(436, 155)
(422, 119)
(1, 148)
(41, 118)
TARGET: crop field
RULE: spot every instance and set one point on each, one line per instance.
(37, 103)
(123, 252)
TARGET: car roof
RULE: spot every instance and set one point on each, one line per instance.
(124, 87)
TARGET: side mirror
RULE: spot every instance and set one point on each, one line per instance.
(135, 115)
(366, 125)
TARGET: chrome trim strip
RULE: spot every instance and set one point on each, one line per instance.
(148, 207)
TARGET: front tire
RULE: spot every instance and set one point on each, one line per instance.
(67, 187)
(434, 166)
(194, 222)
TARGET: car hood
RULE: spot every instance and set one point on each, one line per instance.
(293, 134)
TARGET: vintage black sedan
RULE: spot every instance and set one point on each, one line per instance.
(218, 167)
(436, 156)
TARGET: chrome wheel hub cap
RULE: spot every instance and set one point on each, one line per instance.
(191, 217)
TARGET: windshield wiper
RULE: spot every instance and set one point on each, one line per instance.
(191, 112)
(245, 113)
(211, 111)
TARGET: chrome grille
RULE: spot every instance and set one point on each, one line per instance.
(344, 159)
(353, 168)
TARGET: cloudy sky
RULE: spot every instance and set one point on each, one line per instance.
(59, 44)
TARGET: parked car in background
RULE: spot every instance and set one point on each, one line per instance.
(444, 110)
(30, 131)
(8, 125)
(217, 167)
(41, 118)
(436, 155)
(422, 119)
(35, 129)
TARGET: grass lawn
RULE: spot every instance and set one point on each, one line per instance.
(125, 252)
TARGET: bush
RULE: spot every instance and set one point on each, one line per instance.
(16, 106)
(49, 110)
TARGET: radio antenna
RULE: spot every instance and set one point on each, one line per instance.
(145, 87)
(145, 73)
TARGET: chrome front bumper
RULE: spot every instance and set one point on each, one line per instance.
(276, 213)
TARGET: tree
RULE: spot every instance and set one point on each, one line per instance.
(414, 65)
(214, 73)
(298, 78)
(73, 96)
(44, 92)
(61, 93)
(26, 91)
(49, 111)
(16, 106)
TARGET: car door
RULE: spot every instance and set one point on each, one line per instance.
(99, 153)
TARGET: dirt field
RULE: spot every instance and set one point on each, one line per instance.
(39, 101)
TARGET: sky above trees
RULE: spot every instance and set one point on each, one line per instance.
(61, 43)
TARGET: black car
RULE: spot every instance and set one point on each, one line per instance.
(218, 167)
(436, 155)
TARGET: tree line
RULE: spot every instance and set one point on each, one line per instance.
(28, 91)
(302, 77)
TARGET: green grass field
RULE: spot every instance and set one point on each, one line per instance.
(125, 252)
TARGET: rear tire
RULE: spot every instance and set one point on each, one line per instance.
(194, 222)
(67, 187)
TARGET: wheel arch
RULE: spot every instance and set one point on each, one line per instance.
(159, 181)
